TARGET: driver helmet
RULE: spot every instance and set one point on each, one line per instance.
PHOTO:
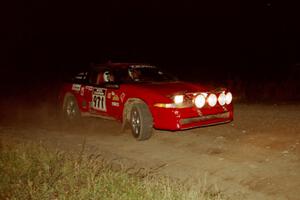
(106, 76)
(134, 74)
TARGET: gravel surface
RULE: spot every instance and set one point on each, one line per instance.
(257, 156)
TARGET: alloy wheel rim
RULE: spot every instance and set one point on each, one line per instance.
(136, 122)
(71, 109)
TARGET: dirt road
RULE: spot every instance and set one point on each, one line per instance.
(255, 157)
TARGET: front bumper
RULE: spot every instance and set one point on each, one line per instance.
(186, 118)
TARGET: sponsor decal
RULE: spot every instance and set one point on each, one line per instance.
(109, 95)
(115, 104)
(100, 91)
(199, 112)
(90, 88)
(76, 87)
(82, 91)
(99, 100)
(122, 96)
(115, 98)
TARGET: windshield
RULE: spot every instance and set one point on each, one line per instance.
(142, 73)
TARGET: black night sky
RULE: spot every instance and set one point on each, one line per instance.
(212, 40)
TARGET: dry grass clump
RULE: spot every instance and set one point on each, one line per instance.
(31, 171)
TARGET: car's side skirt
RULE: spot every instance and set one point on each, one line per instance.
(85, 114)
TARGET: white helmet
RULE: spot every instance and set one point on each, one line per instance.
(106, 76)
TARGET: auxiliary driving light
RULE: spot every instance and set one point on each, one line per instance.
(199, 101)
(222, 99)
(212, 100)
(228, 98)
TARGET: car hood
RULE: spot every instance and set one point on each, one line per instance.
(170, 88)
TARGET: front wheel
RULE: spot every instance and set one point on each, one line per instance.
(141, 121)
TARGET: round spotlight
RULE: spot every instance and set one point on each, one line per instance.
(222, 99)
(199, 101)
(212, 100)
(228, 98)
(178, 99)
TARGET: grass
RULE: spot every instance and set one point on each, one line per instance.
(31, 171)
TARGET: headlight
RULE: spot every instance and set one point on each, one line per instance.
(212, 100)
(199, 101)
(222, 99)
(178, 99)
(228, 98)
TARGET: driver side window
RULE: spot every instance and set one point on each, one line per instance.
(101, 77)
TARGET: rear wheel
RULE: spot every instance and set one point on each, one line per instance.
(141, 121)
(71, 110)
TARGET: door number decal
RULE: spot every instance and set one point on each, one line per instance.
(99, 101)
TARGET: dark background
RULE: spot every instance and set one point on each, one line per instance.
(253, 47)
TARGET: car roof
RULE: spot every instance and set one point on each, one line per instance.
(111, 65)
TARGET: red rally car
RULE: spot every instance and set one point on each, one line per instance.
(143, 97)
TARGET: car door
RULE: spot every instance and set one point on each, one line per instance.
(103, 95)
(95, 93)
(113, 95)
(114, 105)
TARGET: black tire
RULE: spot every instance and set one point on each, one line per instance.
(141, 121)
(71, 112)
